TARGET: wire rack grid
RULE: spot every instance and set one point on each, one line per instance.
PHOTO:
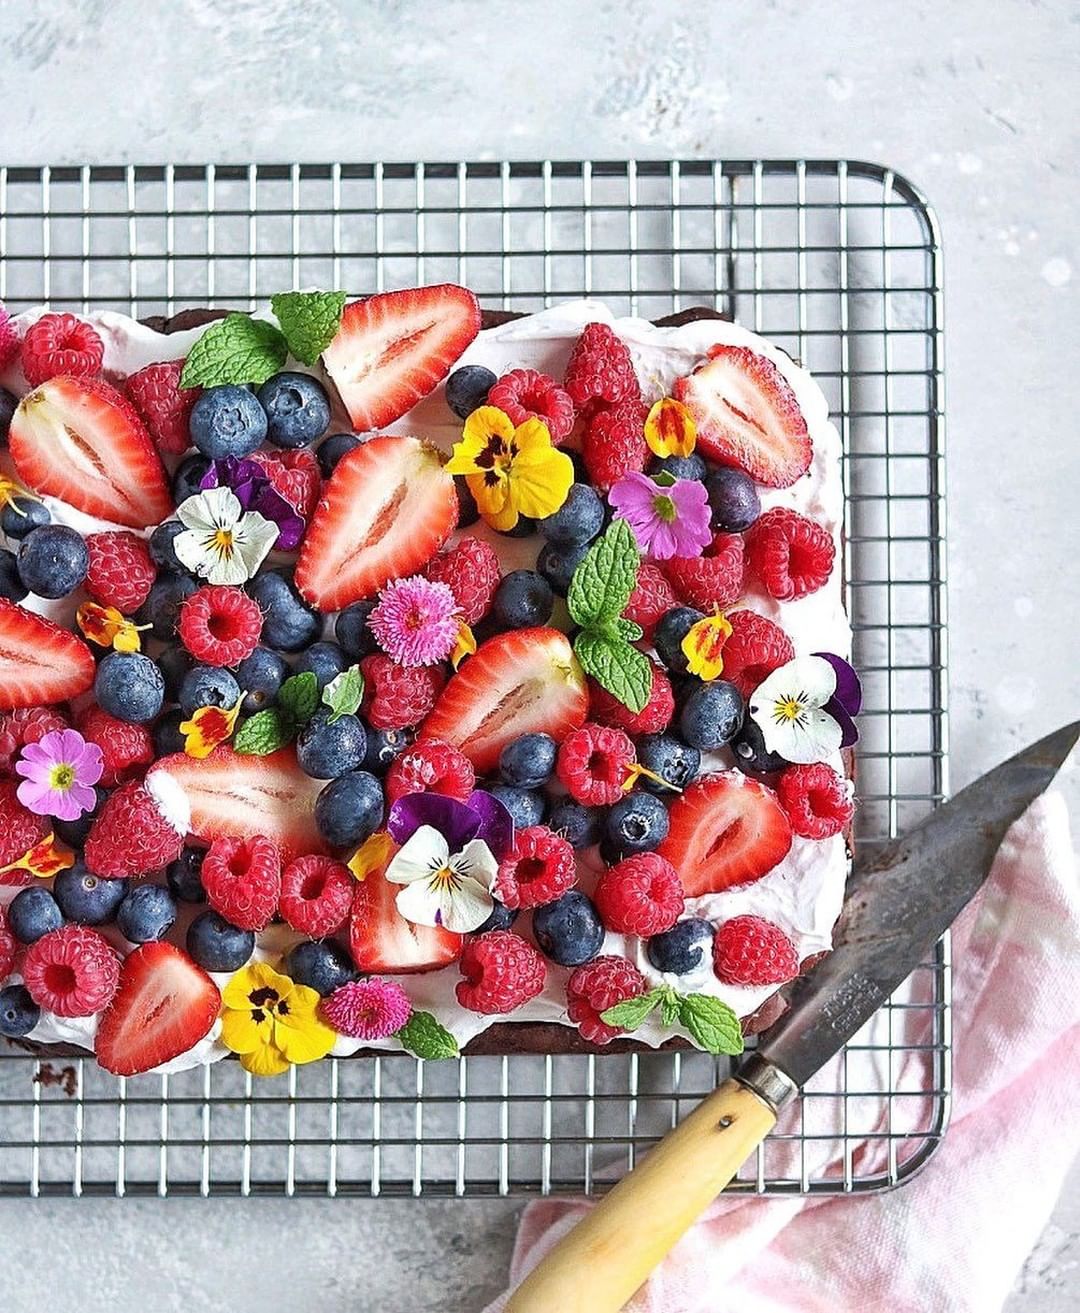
(839, 262)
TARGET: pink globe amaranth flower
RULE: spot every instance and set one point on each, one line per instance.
(59, 773)
(666, 519)
(416, 621)
(9, 340)
(367, 1009)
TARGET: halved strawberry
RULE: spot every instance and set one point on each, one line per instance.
(80, 440)
(234, 796)
(747, 415)
(391, 350)
(725, 829)
(39, 661)
(380, 939)
(163, 1006)
(387, 510)
(521, 682)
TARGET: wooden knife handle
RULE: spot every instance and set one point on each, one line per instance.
(598, 1265)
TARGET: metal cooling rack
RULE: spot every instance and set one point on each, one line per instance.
(838, 262)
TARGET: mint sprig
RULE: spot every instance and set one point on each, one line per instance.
(616, 666)
(309, 321)
(298, 697)
(237, 349)
(711, 1024)
(273, 728)
(428, 1038)
(344, 694)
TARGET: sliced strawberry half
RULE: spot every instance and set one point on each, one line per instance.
(39, 662)
(387, 510)
(163, 1006)
(239, 797)
(391, 350)
(747, 415)
(80, 440)
(725, 829)
(380, 939)
(522, 682)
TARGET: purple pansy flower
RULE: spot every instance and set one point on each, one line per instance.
(482, 817)
(248, 481)
(59, 773)
(668, 518)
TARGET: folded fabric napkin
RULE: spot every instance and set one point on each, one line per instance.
(952, 1239)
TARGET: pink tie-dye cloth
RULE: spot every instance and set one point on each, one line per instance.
(952, 1239)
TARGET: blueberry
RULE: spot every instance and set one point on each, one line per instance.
(325, 661)
(522, 599)
(557, 565)
(8, 403)
(74, 833)
(468, 511)
(350, 809)
(524, 528)
(733, 500)
(671, 629)
(33, 912)
(579, 824)
(184, 876)
(288, 623)
(711, 715)
(297, 409)
(332, 450)
(167, 736)
(86, 898)
(217, 945)
(383, 748)
(525, 806)
(352, 632)
(228, 421)
(671, 759)
(324, 966)
(147, 913)
(680, 467)
(578, 520)
(162, 605)
(187, 481)
(467, 388)
(130, 687)
(527, 762)
(161, 546)
(260, 676)
(751, 755)
(328, 748)
(207, 686)
(21, 516)
(636, 823)
(682, 949)
(568, 930)
(11, 586)
(501, 917)
(53, 560)
(19, 1014)
(174, 664)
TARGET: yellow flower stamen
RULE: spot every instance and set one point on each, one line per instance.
(11, 491)
(789, 709)
(61, 777)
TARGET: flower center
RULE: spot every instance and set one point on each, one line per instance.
(788, 709)
(444, 878)
(664, 508)
(62, 777)
(223, 541)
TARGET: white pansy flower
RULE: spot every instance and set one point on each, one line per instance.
(222, 543)
(788, 708)
(452, 890)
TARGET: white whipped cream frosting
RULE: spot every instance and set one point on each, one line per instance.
(804, 893)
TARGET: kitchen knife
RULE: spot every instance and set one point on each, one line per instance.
(899, 901)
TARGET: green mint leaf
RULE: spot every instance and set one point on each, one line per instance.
(427, 1038)
(299, 697)
(615, 665)
(670, 1007)
(605, 578)
(309, 321)
(631, 1012)
(711, 1024)
(237, 349)
(263, 733)
(628, 630)
(344, 694)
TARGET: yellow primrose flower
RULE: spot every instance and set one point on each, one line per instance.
(511, 471)
(271, 1022)
(703, 646)
(208, 727)
(105, 626)
(670, 429)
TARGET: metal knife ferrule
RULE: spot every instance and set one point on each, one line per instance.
(767, 1081)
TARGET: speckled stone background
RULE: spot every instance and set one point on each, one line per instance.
(974, 100)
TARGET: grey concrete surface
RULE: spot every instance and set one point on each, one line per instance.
(975, 101)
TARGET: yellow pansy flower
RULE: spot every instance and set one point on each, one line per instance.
(670, 429)
(271, 1022)
(703, 646)
(511, 471)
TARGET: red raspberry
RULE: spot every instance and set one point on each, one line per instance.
(471, 572)
(791, 555)
(714, 580)
(22, 726)
(132, 835)
(220, 625)
(614, 443)
(163, 405)
(316, 895)
(9, 946)
(540, 869)
(817, 800)
(121, 572)
(431, 767)
(652, 596)
(597, 986)
(242, 879)
(124, 747)
(654, 716)
(9, 340)
(72, 971)
(398, 697)
(600, 372)
(20, 829)
(592, 763)
(642, 895)
(748, 950)
(524, 394)
(61, 344)
(753, 650)
(295, 475)
(501, 972)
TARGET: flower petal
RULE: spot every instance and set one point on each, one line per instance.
(496, 823)
(849, 731)
(267, 1060)
(810, 679)
(814, 736)
(256, 975)
(467, 908)
(253, 539)
(848, 685)
(419, 858)
(241, 1033)
(420, 903)
(212, 509)
(540, 480)
(476, 863)
(300, 1034)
